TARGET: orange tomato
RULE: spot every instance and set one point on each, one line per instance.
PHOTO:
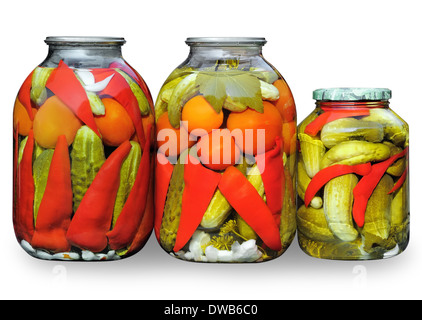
(199, 114)
(218, 150)
(289, 137)
(170, 140)
(21, 115)
(244, 127)
(115, 126)
(52, 120)
(286, 103)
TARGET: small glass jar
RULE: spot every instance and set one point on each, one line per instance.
(82, 154)
(353, 186)
(226, 139)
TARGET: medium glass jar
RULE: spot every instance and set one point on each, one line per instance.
(353, 186)
(226, 140)
(83, 151)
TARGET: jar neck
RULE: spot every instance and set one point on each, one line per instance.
(330, 105)
(82, 56)
(224, 55)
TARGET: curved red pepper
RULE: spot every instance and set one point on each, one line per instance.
(134, 208)
(315, 126)
(200, 186)
(24, 222)
(65, 85)
(331, 172)
(92, 219)
(163, 172)
(363, 190)
(56, 206)
(270, 165)
(247, 202)
(119, 89)
(401, 180)
(15, 167)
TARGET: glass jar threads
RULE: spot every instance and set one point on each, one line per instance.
(353, 189)
(226, 154)
(82, 154)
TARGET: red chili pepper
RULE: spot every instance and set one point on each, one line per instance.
(135, 76)
(270, 165)
(120, 90)
(200, 186)
(163, 172)
(315, 126)
(56, 206)
(247, 202)
(363, 190)
(331, 172)
(24, 95)
(92, 219)
(400, 182)
(65, 85)
(147, 223)
(24, 223)
(134, 208)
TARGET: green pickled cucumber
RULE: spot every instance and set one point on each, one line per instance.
(254, 177)
(173, 206)
(87, 157)
(312, 224)
(128, 173)
(40, 173)
(288, 212)
(376, 229)
(37, 150)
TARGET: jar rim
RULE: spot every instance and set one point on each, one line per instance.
(351, 94)
(226, 41)
(84, 40)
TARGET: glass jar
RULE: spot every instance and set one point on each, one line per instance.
(353, 186)
(82, 154)
(226, 142)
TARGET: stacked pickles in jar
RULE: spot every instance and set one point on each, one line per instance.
(353, 189)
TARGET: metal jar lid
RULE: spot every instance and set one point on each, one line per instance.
(226, 41)
(83, 40)
(352, 94)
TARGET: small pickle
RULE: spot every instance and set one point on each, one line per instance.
(355, 152)
(312, 150)
(313, 225)
(128, 173)
(288, 211)
(398, 167)
(348, 129)
(173, 206)
(338, 203)
(39, 79)
(395, 129)
(40, 172)
(303, 181)
(254, 177)
(87, 157)
(376, 229)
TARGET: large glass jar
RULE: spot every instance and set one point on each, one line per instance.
(83, 154)
(226, 139)
(353, 186)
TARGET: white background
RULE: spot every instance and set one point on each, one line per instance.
(314, 43)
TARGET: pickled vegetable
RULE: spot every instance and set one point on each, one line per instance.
(353, 191)
(237, 203)
(82, 190)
